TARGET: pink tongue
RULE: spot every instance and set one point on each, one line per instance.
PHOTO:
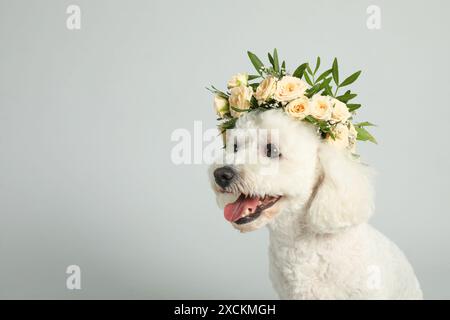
(233, 211)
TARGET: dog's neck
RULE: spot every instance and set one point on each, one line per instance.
(291, 228)
(291, 225)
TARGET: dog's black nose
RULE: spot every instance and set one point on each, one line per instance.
(224, 176)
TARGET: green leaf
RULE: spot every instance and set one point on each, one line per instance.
(365, 124)
(253, 77)
(216, 91)
(346, 97)
(324, 126)
(300, 70)
(254, 103)
(313, 90)
(229, 124)
(317, 65)
(309, 69)
(255, 61)
(328, 90)
(308, 79)
(323, 75)
(364, 135)
(254, 85)
(325, 84)
(240, 110)
(311, 119)
(283, 65)
(276, 63)
(350, 79)
(353, 106)
(335, 71)
(270, 59)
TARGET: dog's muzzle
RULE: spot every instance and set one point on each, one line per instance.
(224, 176)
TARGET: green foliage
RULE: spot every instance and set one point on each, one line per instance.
(364, 135)
(228, 124)
(217, 92)
(335, 72)
(300, 70)
(350, 79)
(256, 62)
(325, 83)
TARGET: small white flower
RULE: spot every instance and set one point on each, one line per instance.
(266, 89)
(352, 134)
(298, 108)
(340, 111)
(352, 131)
(341, 134)
(240, 79)
(289, 88)
(321, 107)
(240, 99)
(221, 106)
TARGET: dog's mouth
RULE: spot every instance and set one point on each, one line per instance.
(248, 208)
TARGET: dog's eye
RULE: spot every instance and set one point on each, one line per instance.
(272, 151)
(235, 148)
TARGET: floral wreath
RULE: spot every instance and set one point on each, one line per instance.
(313, 100)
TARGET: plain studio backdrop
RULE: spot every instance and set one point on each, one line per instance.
(86, 116)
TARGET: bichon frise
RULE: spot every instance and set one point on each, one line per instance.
(316, 200)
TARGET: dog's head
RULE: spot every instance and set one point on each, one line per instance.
(288, 168)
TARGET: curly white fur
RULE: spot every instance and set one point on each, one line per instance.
(321, 246)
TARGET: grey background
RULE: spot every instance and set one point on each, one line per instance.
(86, 118)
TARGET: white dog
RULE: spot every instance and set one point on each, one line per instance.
(316, 200)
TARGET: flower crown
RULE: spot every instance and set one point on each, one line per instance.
(313, 100)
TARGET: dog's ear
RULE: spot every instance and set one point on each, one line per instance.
(343, 196)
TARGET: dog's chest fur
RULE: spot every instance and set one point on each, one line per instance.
(358, 263)
(304, 265)
(318, 266)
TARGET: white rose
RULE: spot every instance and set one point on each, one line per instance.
(340, 111)
(340, 132)
(289, 88)
(321, 107)
(240, 79)
(240, 99)
(221, 106)
(298, 108)
(266, 89)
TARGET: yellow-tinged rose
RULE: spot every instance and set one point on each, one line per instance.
(221, 106)
(340, 111)
(341, 133)
(298, 108)
(321, 107)
(240, 79)
(266, 89)
(289, 88)
(240, 99)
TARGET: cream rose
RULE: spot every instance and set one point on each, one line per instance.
(221, 106)
(289, 88)
(341, 133)
(266, 89)
(321, 107)
(240, 79)
(298, 108)
(340, 111)
(240, 99)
